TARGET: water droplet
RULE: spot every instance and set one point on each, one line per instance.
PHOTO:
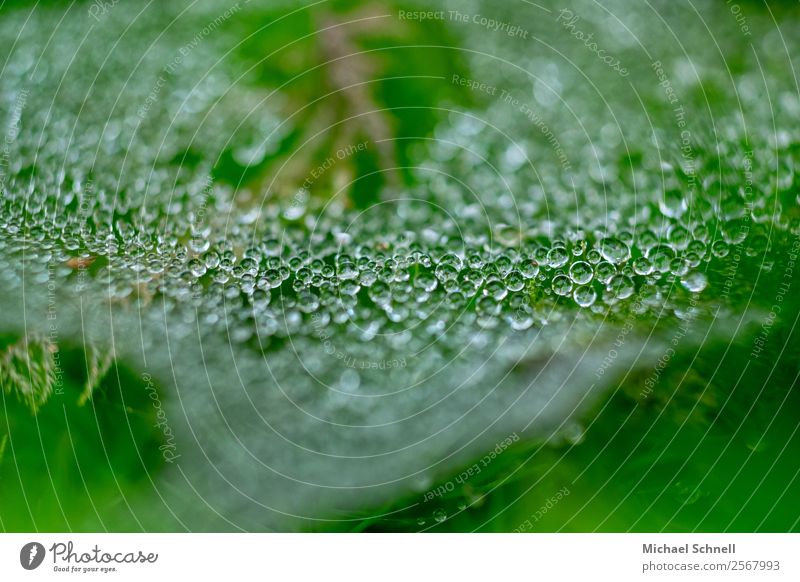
(585, 296)
(581, 272)
(446, 272)
(349, 381)
(495, 289)
(529, 268)
(673, 204)
(614, 250)
(621, 286)
(562, 285)
(514, 281)
(604, 271)
(694, 282)
(557, 257)
(642, 266)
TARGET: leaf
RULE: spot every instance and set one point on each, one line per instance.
(262, 360)
(28, 371)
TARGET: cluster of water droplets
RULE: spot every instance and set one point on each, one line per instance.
(130, 204)
(270, 277)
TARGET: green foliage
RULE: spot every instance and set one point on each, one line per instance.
(71, 463)
(28, 371)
